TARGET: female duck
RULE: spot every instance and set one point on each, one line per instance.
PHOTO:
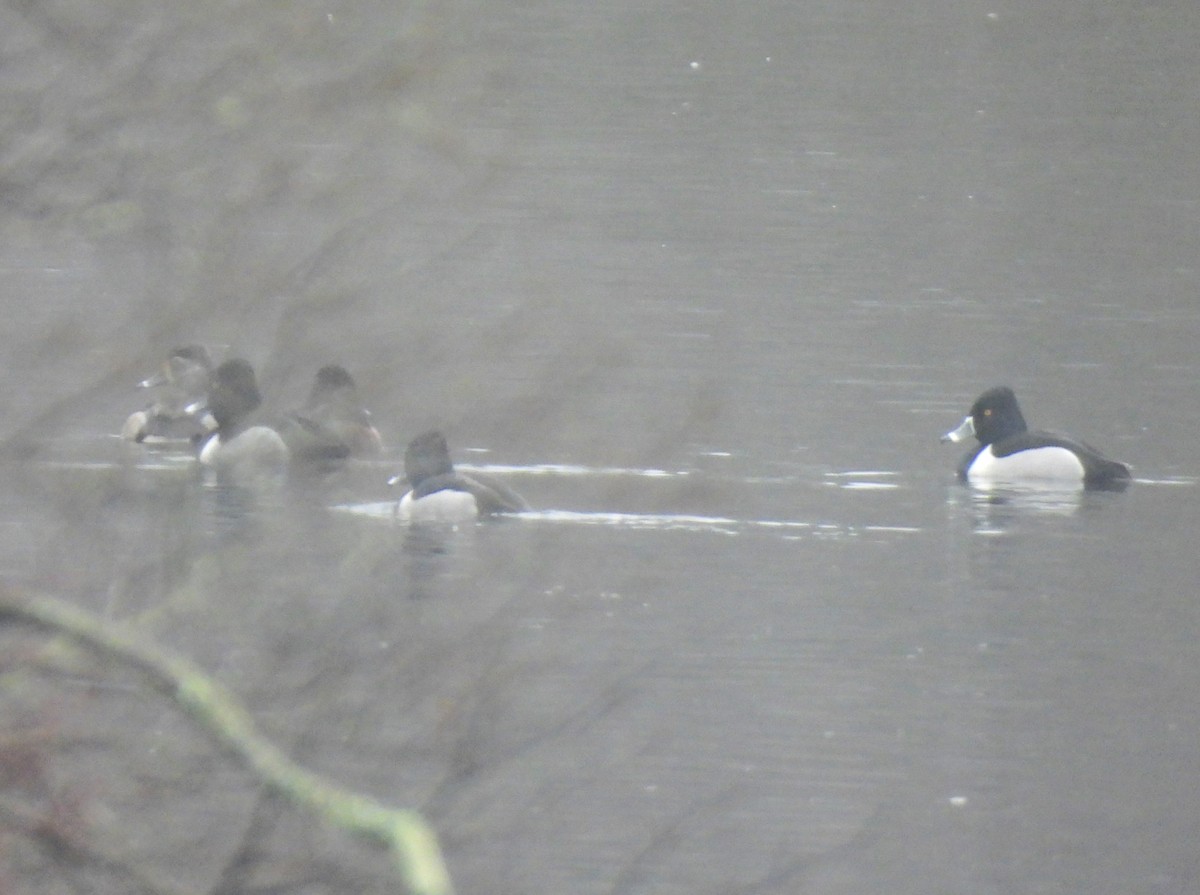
(1009, 452)
(333, 423)
(178, 412)
(241, 448)
(438, 493)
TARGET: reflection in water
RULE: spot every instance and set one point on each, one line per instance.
(996, 507)
(864, 480)
(386, 511)
(566, 469)
(232, 511)
(426, 550)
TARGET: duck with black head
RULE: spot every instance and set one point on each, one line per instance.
(439, 493)
(242, 448)
(1009, 452)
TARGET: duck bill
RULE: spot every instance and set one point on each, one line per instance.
(965, 430)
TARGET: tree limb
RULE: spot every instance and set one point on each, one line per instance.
(413, 845)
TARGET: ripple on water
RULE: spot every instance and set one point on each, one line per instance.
(723, 525)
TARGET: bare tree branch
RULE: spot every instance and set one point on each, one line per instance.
(413, 845)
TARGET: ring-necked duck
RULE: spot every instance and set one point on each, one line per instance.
(333, 423)
(440, 494)
(1009, 452)
(241, 448)
(178, 412)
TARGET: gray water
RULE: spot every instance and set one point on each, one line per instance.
(705, 282)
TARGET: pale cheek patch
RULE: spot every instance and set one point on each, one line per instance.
(1052, 464)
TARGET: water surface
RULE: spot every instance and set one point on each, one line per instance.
(705, 284)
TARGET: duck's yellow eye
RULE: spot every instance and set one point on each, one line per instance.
(988, 412)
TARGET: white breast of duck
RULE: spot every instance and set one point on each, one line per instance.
(446, 507)
(1048, 464)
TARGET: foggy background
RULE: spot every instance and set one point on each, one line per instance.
(705, 282)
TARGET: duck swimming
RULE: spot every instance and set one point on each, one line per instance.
(1009, 452)
(178, 412)
(241, 448)
(333, 423)
(438, 493)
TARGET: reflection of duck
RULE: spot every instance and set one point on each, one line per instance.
(333, 423)
(440, 494)
(241, 448)
(997, 505)
(178, 411)
(1009, 452)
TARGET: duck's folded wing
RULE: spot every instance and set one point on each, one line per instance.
(493, 496)
(490, 495)
(308, 439)
(1097, 467)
